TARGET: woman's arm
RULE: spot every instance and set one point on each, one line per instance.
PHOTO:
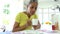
(16, 27)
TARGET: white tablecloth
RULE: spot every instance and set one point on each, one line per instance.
(36, 32)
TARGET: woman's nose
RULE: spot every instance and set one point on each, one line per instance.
(34, 10)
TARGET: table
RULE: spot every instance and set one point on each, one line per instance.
(32, 32)
(37, 32)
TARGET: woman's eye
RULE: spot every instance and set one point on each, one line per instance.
(36, 8)
(32, 7)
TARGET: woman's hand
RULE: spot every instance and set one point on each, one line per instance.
(37, 26)
(29, 23)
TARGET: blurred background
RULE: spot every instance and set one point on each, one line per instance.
(48, 12)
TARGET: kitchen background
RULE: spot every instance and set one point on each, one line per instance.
(48, 12)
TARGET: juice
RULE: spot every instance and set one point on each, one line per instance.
(53, 27)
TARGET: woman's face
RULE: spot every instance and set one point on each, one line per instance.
(32, 8)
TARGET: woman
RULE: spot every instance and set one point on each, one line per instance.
(24, 19)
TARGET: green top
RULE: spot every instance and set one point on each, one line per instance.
(22, 18)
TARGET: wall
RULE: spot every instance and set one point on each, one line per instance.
(8, 11)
